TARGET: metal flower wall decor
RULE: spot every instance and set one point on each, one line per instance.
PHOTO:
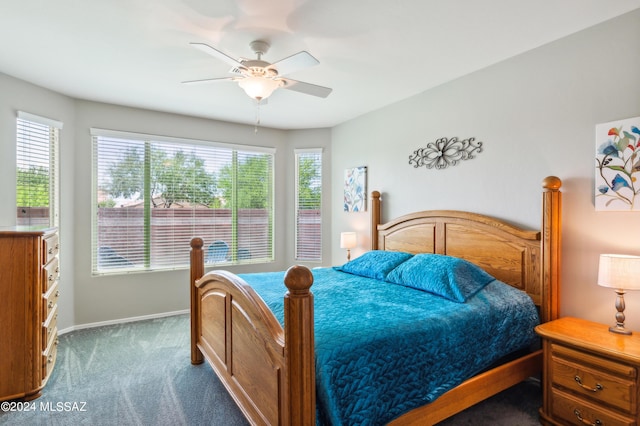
(445, 152)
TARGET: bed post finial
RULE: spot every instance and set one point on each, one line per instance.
(197, 271)
(375, 218)
(552, 182)
(551, 239)
(300, 357)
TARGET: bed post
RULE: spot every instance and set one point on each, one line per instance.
(551, 237)
(375, 219)
(197, 271)
(300, 347)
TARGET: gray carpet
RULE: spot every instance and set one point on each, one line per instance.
(139, 374)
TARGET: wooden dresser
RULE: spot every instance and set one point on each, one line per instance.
(29, 293)
(591, 376)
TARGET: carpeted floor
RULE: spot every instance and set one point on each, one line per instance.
(139, 374)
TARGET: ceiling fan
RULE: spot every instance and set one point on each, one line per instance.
(258, 78)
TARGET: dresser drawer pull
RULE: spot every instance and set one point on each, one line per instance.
(598, 387)
(50, 304)
(585, 421)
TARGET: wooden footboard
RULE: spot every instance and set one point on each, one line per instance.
(272, 382)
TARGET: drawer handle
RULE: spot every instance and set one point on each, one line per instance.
(58, 293)
(598, 387)
(50, 304)
(585, 421)
(50, 278)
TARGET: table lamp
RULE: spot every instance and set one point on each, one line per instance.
(620, 272)
(348, 241)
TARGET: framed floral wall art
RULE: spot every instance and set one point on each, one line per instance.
(355, 189)
(618, 165)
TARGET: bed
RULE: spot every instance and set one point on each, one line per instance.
(271, 352)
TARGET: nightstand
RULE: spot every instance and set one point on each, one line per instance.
(591, 376)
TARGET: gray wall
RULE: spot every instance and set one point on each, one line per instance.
(536, 114)
(87, 299)
(17, 95)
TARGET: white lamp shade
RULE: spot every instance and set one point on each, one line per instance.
(348, 240)
(259, 87)
(619, 271)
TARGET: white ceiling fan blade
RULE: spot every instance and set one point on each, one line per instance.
(208, 80)
(294, 63)
(217, 54)
(306, 88)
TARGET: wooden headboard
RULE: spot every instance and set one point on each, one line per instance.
(526, 259)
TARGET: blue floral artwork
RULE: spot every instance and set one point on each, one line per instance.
(355, 189)
(617, 165)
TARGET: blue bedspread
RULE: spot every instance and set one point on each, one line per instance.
(383, 349)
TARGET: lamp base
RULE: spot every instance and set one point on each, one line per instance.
(619, 329)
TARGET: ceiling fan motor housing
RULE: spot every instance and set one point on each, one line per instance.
(259, 47)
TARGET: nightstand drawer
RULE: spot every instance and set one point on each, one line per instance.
(577, 411)
(599, 379)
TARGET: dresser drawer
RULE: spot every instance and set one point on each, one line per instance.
(602, 380)
(578, 411)
(50, 248)
(50, 328)
(50, 299)
(49, 358)
(50, 273)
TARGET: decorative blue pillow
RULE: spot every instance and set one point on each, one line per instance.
(375, 263)
(450, 277)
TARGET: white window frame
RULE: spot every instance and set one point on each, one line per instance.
(303, 251)
(236, 255)
(38, 144)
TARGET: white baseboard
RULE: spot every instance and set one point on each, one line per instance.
(121, 321)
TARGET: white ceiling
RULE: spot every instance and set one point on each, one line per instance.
(371, 52)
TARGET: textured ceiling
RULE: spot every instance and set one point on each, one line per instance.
(371, 52)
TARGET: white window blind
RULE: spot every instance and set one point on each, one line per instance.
(37, 170)
(308, 204)
(153, 194)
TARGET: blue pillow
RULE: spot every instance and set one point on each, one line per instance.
(450, 277)
(375, 263)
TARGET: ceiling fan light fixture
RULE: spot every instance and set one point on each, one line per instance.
(259, 88)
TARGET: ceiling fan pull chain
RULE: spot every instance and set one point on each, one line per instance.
(257, 116)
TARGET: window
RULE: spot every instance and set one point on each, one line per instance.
(308, 204)
(153, 194)
(37, 188)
